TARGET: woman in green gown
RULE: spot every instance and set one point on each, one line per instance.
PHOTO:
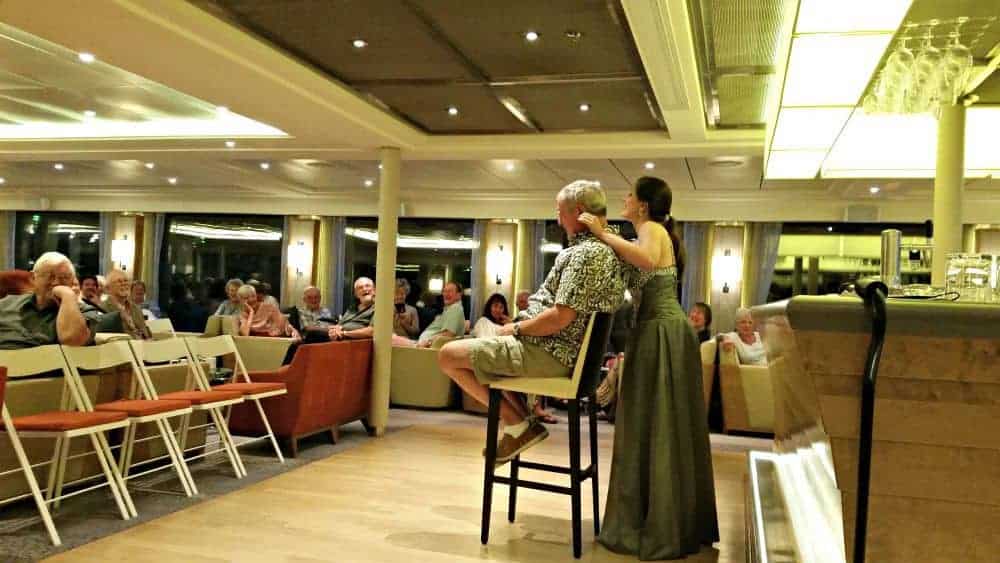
(661, 498)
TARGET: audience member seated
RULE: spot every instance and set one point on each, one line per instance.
(521, 300)
(51, 312)
(700, 318)
(186, 314)
(405, 320)
(259, 318)
(495, 315)
(231, 307)
(313, 316)
(450, 323)
(150, 310)
(749, 346)
(263, 290)
(15, 282)
(123, 315)
(90, 292)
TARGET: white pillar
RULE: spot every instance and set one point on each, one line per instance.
(948, 189)
(385, 283)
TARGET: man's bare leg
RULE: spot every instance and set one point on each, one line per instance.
(456, 363)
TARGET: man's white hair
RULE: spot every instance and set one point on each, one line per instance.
(742, 313)
(50, 260)
(310, 288)
(587, 194)
(361, 280)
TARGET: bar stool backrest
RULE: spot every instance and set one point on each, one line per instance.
(587, 370)
(109, 355)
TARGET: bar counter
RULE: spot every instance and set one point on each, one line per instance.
(935, 480)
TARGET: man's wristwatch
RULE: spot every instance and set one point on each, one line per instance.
(517, 329)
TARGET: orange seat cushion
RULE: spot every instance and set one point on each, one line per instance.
(252, 388)
(202, 397)
(142, 407)
(58, 421)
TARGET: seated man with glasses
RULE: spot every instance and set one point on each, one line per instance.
(51, 313)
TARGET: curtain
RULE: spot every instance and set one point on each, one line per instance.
(536, 248)
(8, 224)
(695, 236)
(337, 264)
(762, 253)
(153, 277)
(477, 266)
(107, 226)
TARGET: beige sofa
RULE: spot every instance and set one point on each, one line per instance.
(747, 395)
(417, 381)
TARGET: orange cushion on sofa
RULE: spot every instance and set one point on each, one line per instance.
(58, 421)
(142, 407)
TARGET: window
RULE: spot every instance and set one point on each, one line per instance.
(430, 253)
(201, 252)
(841, 253)
(77, 235)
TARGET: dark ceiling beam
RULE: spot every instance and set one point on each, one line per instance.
(506, 81)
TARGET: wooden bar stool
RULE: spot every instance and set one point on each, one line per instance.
(582, 385)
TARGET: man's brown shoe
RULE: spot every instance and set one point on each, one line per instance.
(509, 446)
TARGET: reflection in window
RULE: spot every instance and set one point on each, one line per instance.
(77, 235)
(201, 252)
(840, 253)
(429, 253)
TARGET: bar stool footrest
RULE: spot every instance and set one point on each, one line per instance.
(548, 487)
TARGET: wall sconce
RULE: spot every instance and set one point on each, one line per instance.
(123, 253)
(725, 269)
(435, 284)
(299, 257)
(499, 264)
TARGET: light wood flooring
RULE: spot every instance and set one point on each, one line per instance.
(411, 496)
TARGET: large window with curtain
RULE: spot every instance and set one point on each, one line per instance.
(430, 253)
(819, 258)
(77, 235)
(200, 252)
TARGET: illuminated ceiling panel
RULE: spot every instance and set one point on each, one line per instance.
(49, 92)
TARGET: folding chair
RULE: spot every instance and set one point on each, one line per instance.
(219, 346)
(63, 425)
(118, 353)
(196, 390)
(582, 385)
(161, 327)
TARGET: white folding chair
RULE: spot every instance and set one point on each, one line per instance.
(62, 425)
(196, 390)
(161, 327)
(118, 353)
(219, 346)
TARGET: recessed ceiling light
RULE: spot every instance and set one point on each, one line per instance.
(86, 57)
(58, 166)
(584, 107)
(649, 165)
(3, 180)
(509, 167)
(265, 165)
(150, 165)
(829, 229)
(369, 182)
(531, 36)
(359, 43)
(573, 34)
(452, 111)
(172, 180)
(874, 190)
(230, 144)
(89, 113)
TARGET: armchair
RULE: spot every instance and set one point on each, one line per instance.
(747, 396)
(417, 380)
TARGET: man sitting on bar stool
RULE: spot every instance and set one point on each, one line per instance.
(546, 338)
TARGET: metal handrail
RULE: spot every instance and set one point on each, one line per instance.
(874, 295)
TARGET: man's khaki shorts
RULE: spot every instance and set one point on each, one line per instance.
(506, 356)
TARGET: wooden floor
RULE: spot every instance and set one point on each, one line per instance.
(411, 496)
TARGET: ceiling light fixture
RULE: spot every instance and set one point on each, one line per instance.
(829, 229)
(452, 111)
(86, 58)
(150, 165)
(3, 180)
(874, 190)
(369, 182)
(89, 113)
(265, 165)
(172, 180)
(509, 167)
(58, 166)
(573, 34)
(531, 36)
(584, 107)
(359, 43)
(649, 166)
(230, 144)
(380, 166)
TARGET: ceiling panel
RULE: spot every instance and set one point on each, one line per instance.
(726, 173)
(614, 106)
(427, 106)
(603, 171)
(673, 171)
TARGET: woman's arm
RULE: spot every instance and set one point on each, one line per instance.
(643, 254)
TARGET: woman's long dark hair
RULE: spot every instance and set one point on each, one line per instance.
(487, 309)
(656, 194)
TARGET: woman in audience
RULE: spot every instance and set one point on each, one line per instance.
(495, 315)
(150, 310)
(749, 346)
(232, 305)
(130, 319)
(700, 318)
(260, 318)
(405, 321)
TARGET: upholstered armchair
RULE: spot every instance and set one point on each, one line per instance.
(747, 396)
(417, 380)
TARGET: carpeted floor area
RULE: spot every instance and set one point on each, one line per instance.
(93, 515)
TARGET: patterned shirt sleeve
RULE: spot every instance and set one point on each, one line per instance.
(586, 279)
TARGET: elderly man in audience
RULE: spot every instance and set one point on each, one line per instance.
(749, 347)
(123, 314)
(546, 338)
(357, 322)
(150, 310)
(231, 306)
(91, 291)
(259, 318)
(450, 323)
(405, 320)
(313, 315)
(51, 313)
(521, 300)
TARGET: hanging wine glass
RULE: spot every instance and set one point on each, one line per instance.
(957, 63)
(900, 65)
(930, 57)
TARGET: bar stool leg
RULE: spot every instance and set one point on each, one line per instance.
(492, 426)
(574, 473)
(512, 499)
(595, 483)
